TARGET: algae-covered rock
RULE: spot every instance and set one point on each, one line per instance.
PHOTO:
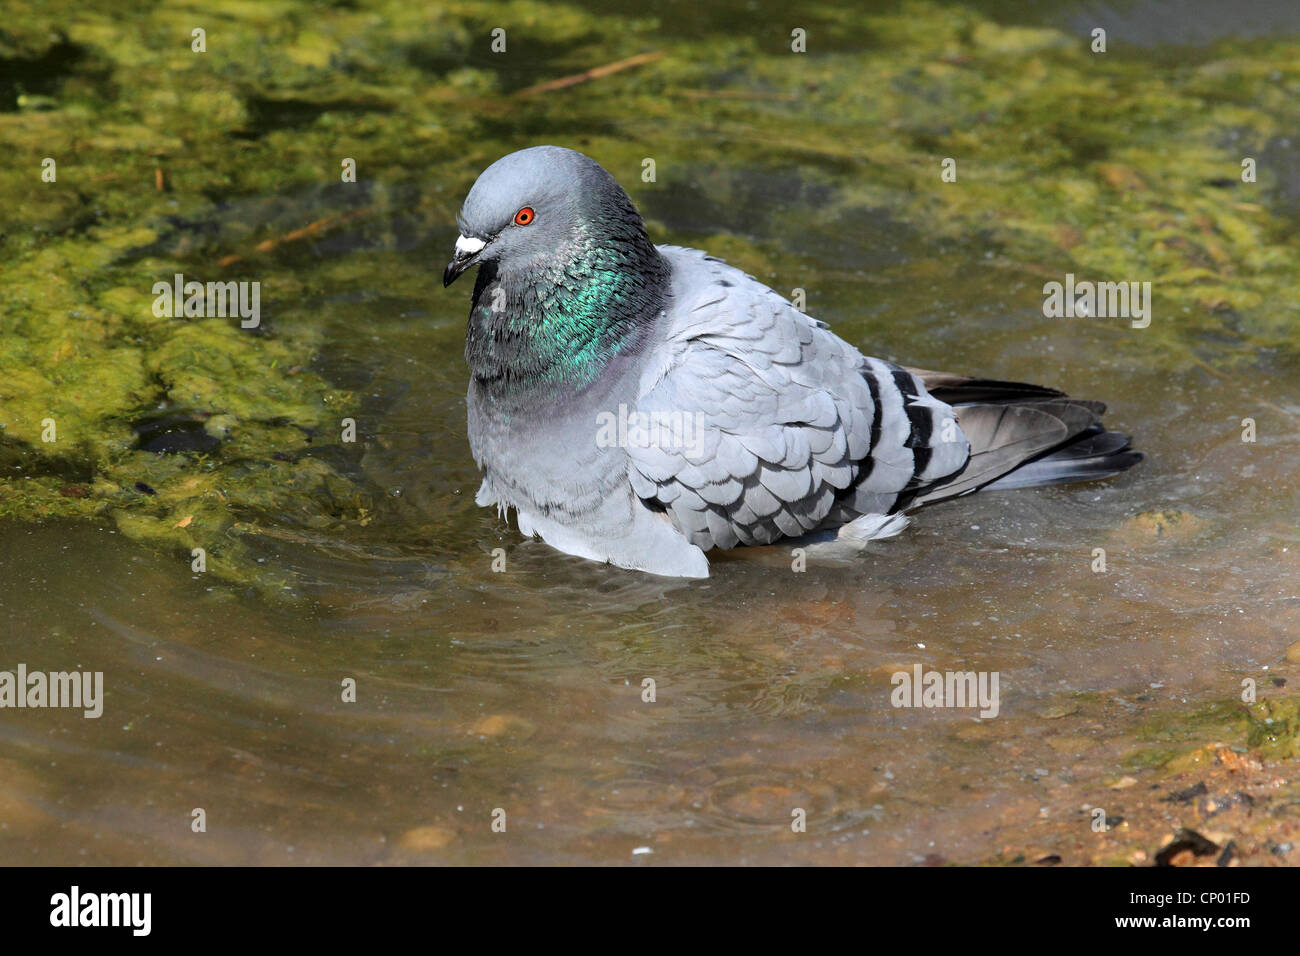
(1275, 728)
(1223, 733)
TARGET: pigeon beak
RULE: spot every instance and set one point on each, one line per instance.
(466, 254)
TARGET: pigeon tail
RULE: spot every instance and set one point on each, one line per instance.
(1095, 454)
(1023, 436)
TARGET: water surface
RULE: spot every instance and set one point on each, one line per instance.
(521, 690)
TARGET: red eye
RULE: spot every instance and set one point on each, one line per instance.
(524, 216)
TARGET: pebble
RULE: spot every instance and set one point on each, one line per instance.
(425, 839)
(505, 725)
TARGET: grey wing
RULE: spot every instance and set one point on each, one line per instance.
(762, 424)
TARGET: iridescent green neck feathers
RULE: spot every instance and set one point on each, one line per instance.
(557, 323)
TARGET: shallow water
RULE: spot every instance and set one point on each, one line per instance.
(521, 690)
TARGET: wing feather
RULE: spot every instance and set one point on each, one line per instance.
(796, 430)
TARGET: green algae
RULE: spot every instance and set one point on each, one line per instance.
(1113, 167)
(1182, 741)
(1274, 728)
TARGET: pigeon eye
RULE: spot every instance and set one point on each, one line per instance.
(524, 216)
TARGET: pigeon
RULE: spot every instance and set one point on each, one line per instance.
(642, 405)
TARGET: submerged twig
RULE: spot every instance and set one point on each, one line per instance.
(311, 229)
(738, 95)
(594, 73)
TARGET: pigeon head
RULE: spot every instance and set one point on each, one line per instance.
(533, 206)
(567, 273)
(523, 206)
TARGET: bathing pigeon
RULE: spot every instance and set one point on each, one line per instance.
(641, 405)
